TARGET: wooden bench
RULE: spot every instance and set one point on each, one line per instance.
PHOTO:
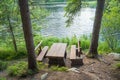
(42, 53)
(73, 52)
(79, 49)
(38, 49)
(75, 60)
(38, 46)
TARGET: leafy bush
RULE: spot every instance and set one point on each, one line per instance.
(65, 40)
(73, 40)
(2, 78)
(57, 68)
(49, 41)
(42, 65)
(18, 69)
(5, 53)
(3, 65)
(111, 24)
(118, 65)
(85, 42)
(10, 54)
(103, 48)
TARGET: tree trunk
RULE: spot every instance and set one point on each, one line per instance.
(96, 28)
(27, 28)
(12, 34)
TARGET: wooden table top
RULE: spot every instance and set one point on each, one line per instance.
(57, 50)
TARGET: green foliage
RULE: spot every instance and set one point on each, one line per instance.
(73, 6)
(10, 9)
(18, 69)
(50, 40)
(117, 65)
(30, 72)
(7, 53)
(3, 65)
(66, 40)
(3, 78)
(91, 4)
(57, 68)
(111, 25)
(73, 40)
(103, 48)
(85, 42)
(42, 65)
(54, 0)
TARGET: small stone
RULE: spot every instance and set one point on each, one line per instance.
(116, 56)
(44, 76)
(74, 70)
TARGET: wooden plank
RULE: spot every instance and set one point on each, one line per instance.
(78, 46)
(57, 50)
(38, 46)
(42, 53)
(73, 52)
(61, 50)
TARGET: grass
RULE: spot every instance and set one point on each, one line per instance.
(17, 69)
(42, 65)
(117, 65)
(3, 78)
(57, 68)
(103, 48)
(8, 53)
(3, 65)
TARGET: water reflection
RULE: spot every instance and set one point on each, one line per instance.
(55, 25)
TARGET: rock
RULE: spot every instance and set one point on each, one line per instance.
(116, 56)
(74, 70)
(44, 76)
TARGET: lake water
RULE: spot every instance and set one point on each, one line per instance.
(55, 25)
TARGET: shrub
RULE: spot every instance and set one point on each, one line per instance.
(3, 65)
(85, 42)
(42, 65)
(65, 40)
(118, 65)
(18, 69)
(110, 29)
(103, 48)
(2, 78)
(5, 53)
(10, 54)
(73, 40)
(49, 41)
(57, 68)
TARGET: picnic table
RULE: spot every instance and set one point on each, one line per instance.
(57, 53)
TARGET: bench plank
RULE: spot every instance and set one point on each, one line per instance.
(42, 53)
(73, 52)
(38, 46)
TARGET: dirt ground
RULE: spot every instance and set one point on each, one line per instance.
(91, 70)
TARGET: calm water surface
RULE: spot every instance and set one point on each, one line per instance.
(55, 25)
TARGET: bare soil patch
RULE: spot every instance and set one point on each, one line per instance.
(92, 69)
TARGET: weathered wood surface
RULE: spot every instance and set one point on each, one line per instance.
(79, 49)
(73, 52)
(57, 50)
(42, 53)
(38, 46)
